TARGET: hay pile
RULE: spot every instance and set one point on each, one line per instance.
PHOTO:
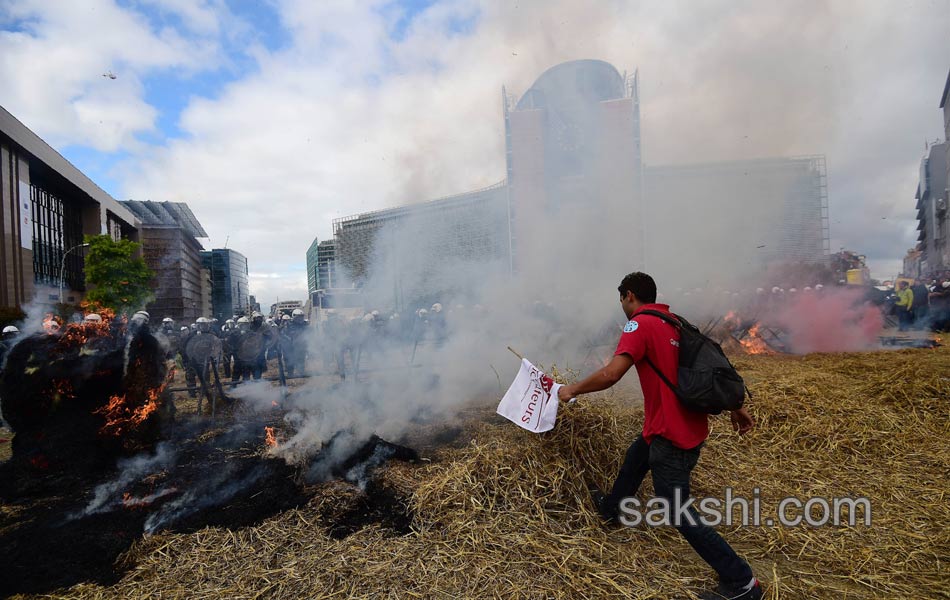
(508, 515)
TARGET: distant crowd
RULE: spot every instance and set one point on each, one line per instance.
(922, 304)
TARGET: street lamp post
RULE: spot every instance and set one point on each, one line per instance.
(62, 269)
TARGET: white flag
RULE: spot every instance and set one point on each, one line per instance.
(531, 401)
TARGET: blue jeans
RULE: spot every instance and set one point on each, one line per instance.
(671, 467)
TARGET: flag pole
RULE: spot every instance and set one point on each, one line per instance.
(513, 351)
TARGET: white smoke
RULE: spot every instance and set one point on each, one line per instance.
(108, 496)
(213, 490)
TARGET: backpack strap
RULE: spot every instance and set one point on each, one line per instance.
(672, 320)
(668, 383)
(675, 323)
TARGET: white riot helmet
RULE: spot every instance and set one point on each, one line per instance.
(436, 308)
(792, 290)
(759, 290)
(298, 312)
(10, 331)
(92, 318)
(807, 288)
(243, 323)
(140, 317)
(285, 317)
(945, 284)
(423, 313)
(776, 290)
(819, 287)
(367, 318)
(203, 324)
(184, 330)
(168, 321)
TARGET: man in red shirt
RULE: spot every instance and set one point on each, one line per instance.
(672, 435)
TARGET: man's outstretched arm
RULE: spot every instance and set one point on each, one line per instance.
(600, 379)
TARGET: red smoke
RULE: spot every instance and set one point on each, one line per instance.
(835, 320)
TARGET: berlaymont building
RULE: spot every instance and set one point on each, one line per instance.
(573, 154)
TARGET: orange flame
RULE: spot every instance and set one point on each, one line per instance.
(732, 319)
(77, 334)
(62, 389)
(270, 438)
(51, 324)
(121, 415)
(753, 343)
(132, 502)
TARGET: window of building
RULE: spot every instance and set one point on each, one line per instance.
(113, 227)
(56, 229)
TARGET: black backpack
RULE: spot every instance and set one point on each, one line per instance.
(706, 380)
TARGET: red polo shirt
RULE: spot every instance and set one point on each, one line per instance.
(652, 337)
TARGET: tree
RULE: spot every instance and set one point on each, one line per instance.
(120, 279)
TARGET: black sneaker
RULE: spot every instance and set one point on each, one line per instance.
(727, 592)
(600, 499)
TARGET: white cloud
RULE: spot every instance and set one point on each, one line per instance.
(52, 67)
(201, 16)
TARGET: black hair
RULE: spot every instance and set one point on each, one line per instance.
(642, 286)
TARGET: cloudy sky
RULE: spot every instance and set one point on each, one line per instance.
(272, 118)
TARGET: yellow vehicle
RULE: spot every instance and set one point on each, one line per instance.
(860, 276)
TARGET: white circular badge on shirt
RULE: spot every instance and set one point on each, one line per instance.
(630, 327)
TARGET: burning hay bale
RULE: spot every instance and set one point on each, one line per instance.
(79, 395)
(508, 513)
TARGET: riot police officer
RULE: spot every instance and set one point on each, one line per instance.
(294, 342)
(10, 333)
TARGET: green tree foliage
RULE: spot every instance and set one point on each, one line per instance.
(120, 279)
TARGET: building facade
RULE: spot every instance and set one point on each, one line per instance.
(573, 151)
(738, 217)
(945, 107)
(46, 207)
(169, 233)
(312, 272)
(326, 265)
(406, 251)
(574, 157)
(285, 307)
(933, 226)
(229, 282)
(253, 305)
